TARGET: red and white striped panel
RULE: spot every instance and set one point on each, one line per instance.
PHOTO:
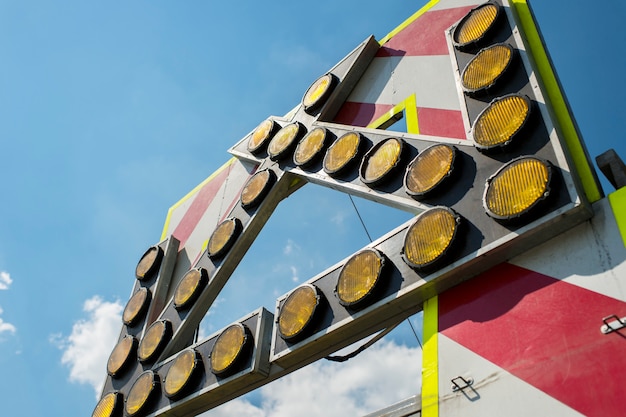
(416, 61)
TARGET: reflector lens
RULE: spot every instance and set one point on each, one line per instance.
(310, 147)
(317, 93)
(149, 263)
(359, 277)
(108, 406)
(141, 392)
(283, 141)
(484, 70)
(430, 237)
(223, 237)
(228, 348)
(154, 340)
(380, 161)
(256, 188)
(261, 136)
(190, 287)
(429, 169)
(342, 152)
(181, 373)
(297, 311)
(498, 123)
(517, 187)
(137, 306)
(475, 25)
(121, 355)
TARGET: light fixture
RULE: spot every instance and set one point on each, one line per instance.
(256, 188)
(297, 312)
(262, 135)
(149, 263)
(498, 124)
(310, 147)
(223, 237)
(154, 340)
(284, 140)
(230, 349)
(430, 237)
(108, 406)
(342, 153)
(137, 306)
(380, 161)
(141, 393)
(429, 169)
(190, 287)
(122, 355)
(517, 187)
(318, 92)
(359, 277)
(180, 376)
(486, 68)
(476, 25)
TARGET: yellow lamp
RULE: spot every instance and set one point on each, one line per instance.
(380, 161)
(431, 236)
(359, 277)
(297, 312)
(429, 169)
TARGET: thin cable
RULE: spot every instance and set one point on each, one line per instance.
(360, 218)
(351, 355)
(415, 333)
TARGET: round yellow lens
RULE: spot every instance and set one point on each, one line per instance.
(154, 340)
(108, 406)
(484, 70)
(261, 136)
(318, 92)
(475, 25)
(284, 140)
(181, 373)
(141, 393)
(310, 147)
(190, 287)
(149, 263)
(256, 188)
(228, 349)
(430, 237)
(500, 122)
(223, 237)
(297, 312)
(429, 169)
(380, 161)
(121, 355)
(517, 187)
(136, 307)
(359, 276)
(342, 152)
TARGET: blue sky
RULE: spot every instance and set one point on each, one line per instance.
(111, 112)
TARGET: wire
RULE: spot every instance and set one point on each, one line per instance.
(360, 218)
(415, 333)
(351, 355)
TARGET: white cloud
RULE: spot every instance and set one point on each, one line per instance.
(87, 349)
(380, 376)
(5, 280)
(290, 247)
(6, 327)
(294, 274)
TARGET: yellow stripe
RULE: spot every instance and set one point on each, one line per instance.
(190, 194)
(407, 22)
(430, 358)
(409, 107)
(557, 100)
(617, 200)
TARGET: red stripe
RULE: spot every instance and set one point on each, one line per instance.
(433, 122)
(544, 331)
(425, 36)
(360, 114)
(440, 122)
(199, 206)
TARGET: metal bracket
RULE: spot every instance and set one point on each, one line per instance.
(464, 383)
(610, 327)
